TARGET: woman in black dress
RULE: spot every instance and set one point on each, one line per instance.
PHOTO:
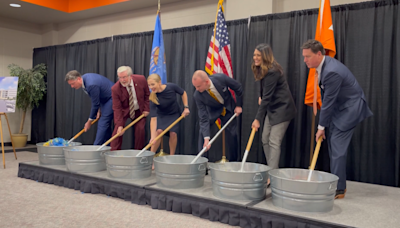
(164, 110)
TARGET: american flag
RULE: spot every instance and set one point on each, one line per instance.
(219, 52)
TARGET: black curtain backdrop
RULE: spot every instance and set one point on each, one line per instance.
(367, 39)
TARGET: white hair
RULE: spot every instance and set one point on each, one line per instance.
(125, 68)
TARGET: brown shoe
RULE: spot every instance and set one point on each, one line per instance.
(340, 194)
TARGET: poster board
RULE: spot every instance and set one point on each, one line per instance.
(8, 94)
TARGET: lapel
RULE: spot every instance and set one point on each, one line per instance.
(85, 84)
(322, 70)
(137, 87)
(217, 87)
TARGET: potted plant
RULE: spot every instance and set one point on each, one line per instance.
(31, 89)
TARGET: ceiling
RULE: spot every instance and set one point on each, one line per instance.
(41, 15)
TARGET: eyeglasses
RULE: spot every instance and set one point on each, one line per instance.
(124, 77)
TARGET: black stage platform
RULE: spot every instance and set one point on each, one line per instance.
(352, 211)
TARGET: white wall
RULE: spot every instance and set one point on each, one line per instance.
(293, 5)
(17, 41)
(174, 15)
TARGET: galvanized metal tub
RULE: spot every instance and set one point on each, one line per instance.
(85, 159)
(175, 171)
(124, 164)
(52, 155)
(229, 183)
(291, 190)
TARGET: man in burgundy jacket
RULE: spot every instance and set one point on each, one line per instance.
(130, 96)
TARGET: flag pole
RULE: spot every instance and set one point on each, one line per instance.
(223, 160)
(161, 153)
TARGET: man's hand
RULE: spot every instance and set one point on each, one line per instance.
(186, 112)
(206, 141)
(238, 110)
(88, 124)
(259, 100)
(255, 124)
(120, 131)
(98, 114)
(319, 134)
(145, 113)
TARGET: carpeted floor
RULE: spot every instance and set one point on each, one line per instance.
(25, 203)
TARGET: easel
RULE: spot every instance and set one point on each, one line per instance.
(2, 141)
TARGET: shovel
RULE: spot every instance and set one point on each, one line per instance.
(213, 139)
(160, 135)
(117, 135)
(314, 160)
(81, 132)
(253, 132)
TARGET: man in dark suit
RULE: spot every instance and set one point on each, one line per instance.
(343, 107)
(130, 97)
(98, 88)
(214, 100)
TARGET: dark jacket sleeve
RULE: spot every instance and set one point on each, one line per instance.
(94, 93)
(117, 106)
(332, 84)
(146, 92)
(203, 116)
(236, 87)
(268, 84)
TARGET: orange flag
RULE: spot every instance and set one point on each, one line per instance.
(324, 34)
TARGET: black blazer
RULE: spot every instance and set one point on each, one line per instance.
(276, 99)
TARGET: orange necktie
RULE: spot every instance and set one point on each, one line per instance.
(215, 97)
(315, 93)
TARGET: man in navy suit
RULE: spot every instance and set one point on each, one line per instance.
(98, 88)
(214, 100)
(343, 107)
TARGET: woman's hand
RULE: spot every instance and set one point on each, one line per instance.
(255, 124)
(186, 112)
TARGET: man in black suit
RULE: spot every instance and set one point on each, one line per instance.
(214, 100)
(343, 107)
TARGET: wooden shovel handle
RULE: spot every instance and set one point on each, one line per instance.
(316, 152)
(165, 131)
(253, 132)
(125, 128)
(83, 130)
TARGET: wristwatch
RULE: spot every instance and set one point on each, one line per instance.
(186, 106)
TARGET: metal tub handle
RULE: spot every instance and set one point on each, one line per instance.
(258, 177)
(331, 185)
(144, 160)
(201, 167)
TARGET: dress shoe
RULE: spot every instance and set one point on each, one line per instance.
(340, 194)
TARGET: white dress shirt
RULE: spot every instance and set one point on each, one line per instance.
(216, 93)
(135, 102)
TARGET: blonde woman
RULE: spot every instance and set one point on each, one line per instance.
(164, 110)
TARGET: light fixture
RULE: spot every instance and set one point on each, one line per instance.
(15, 5)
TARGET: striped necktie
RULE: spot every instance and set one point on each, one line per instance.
(215, 97)
(131, 103)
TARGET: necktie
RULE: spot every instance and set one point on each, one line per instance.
(131, 103)
(215, 97)
(315, 93)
